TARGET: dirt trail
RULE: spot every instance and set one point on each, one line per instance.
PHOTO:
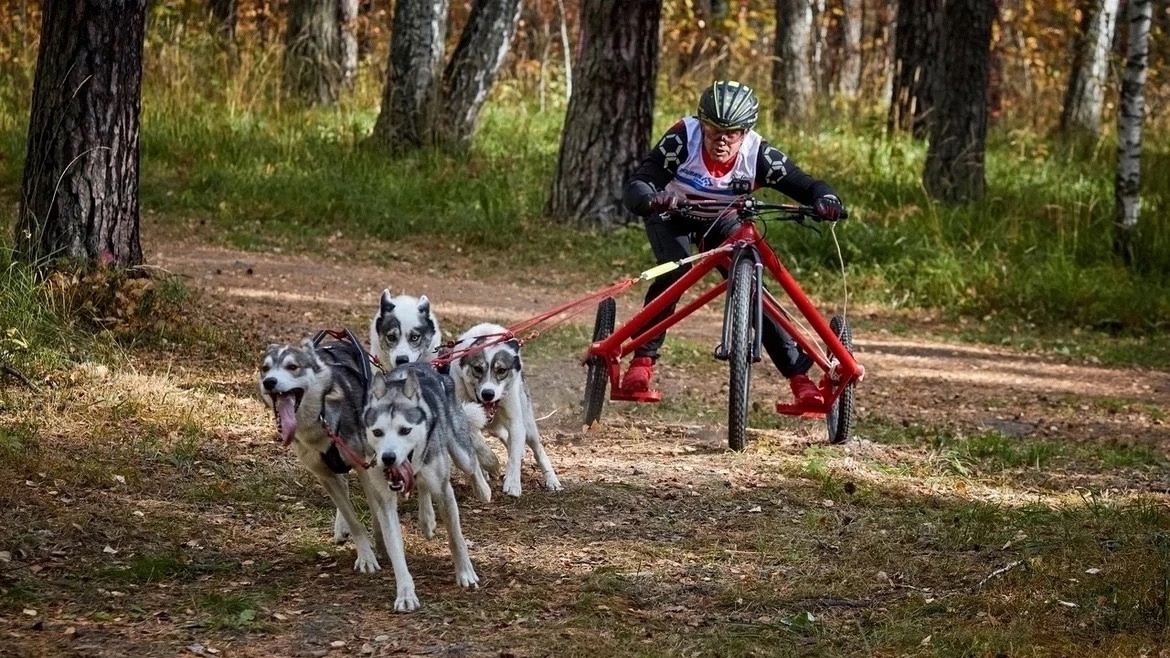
(909, 380)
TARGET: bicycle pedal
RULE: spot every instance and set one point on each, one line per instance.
(636, 396)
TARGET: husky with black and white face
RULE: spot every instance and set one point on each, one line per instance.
(315, 392)
(404, 330)
(417, 427)
(489, 372)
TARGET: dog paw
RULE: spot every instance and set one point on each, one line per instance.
(512, 487)
(406, 601)
(552, 483)
(426, 523)
(467, 578)
(367, 563)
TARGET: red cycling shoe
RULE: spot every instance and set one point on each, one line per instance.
(637, 377)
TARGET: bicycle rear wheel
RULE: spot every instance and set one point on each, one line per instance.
(597, 375)
(739, 314)
(839, 418)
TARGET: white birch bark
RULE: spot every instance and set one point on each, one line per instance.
(1129, 121)
(1086, 88)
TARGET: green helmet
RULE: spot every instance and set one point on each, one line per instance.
(729, 105)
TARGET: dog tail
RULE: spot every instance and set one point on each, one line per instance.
(476, 421)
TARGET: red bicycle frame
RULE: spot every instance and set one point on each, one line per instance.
(626, 338)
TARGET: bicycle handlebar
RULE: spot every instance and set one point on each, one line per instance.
(756, 208)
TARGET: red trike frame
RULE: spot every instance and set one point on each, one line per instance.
(622, 341)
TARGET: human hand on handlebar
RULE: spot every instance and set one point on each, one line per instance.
(664, 202)
(829, 208)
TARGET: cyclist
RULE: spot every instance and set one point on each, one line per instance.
(716, 156)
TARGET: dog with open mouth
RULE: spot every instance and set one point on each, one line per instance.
(417, 428)
(488, 372)
(317, 393)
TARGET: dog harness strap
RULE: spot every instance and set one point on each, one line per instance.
(333, 460)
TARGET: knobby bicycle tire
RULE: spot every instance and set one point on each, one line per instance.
(740, 352)
(839, 419)
(597, 374)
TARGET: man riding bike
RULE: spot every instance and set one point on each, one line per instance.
(717, 156)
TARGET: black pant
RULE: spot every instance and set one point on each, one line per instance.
(671, 240)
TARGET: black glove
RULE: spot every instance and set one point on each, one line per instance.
(663, 202)
(829, 208)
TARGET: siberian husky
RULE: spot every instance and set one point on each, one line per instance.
(488, 372)
(320, 390)
(416, 426)
(404, 330)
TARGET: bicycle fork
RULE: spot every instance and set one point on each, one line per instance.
(757, 283)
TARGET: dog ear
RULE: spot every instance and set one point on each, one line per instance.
(424, 305)
(410, 386)
(378, 387)
(386, 305)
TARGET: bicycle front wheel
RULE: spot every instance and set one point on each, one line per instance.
(839, 419)
(597, 376)
(739, 314)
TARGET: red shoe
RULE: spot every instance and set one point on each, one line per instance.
(805, 391)
(638, 376)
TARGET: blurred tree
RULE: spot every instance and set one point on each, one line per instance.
(610, 115)
(473, 67)
(79, 195)
(1090, 70)
(1127, 186)
(915, 58)
(315, 51)
(852, 22)
(792, 76)
(223, 19)
(958, 130)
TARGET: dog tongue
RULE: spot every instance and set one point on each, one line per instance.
(405, 474)
(286, 416)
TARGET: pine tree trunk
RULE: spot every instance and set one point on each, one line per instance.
(410, 98)
(1086, 87)
(313, 51)
(79, 195)
(1127, 186)
(852, 21)
(608, 123)
(792, 79)
(958, 131)
(472, 70)
(916, 48)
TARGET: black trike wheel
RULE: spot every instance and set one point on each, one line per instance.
(597, 376)
(739, 311)
(839, 418)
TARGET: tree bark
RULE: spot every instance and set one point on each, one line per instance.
(313, 51)
(347, 13)
(409, 99)
(1086, 87)
(608, 123)
(958, 132)
(1127, 186)
(916, 47)
(472, 70)
(79, 194)
(792, 76)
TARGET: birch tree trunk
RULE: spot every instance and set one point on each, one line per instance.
(792, 76)
(79, 194)
(348, 15)
(412, 81)
(852, 24)
(1086, 87)
(473, 67)
(916, 45)
(1129, 128)
(312, 59)
(958, 131)
(608, 123)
